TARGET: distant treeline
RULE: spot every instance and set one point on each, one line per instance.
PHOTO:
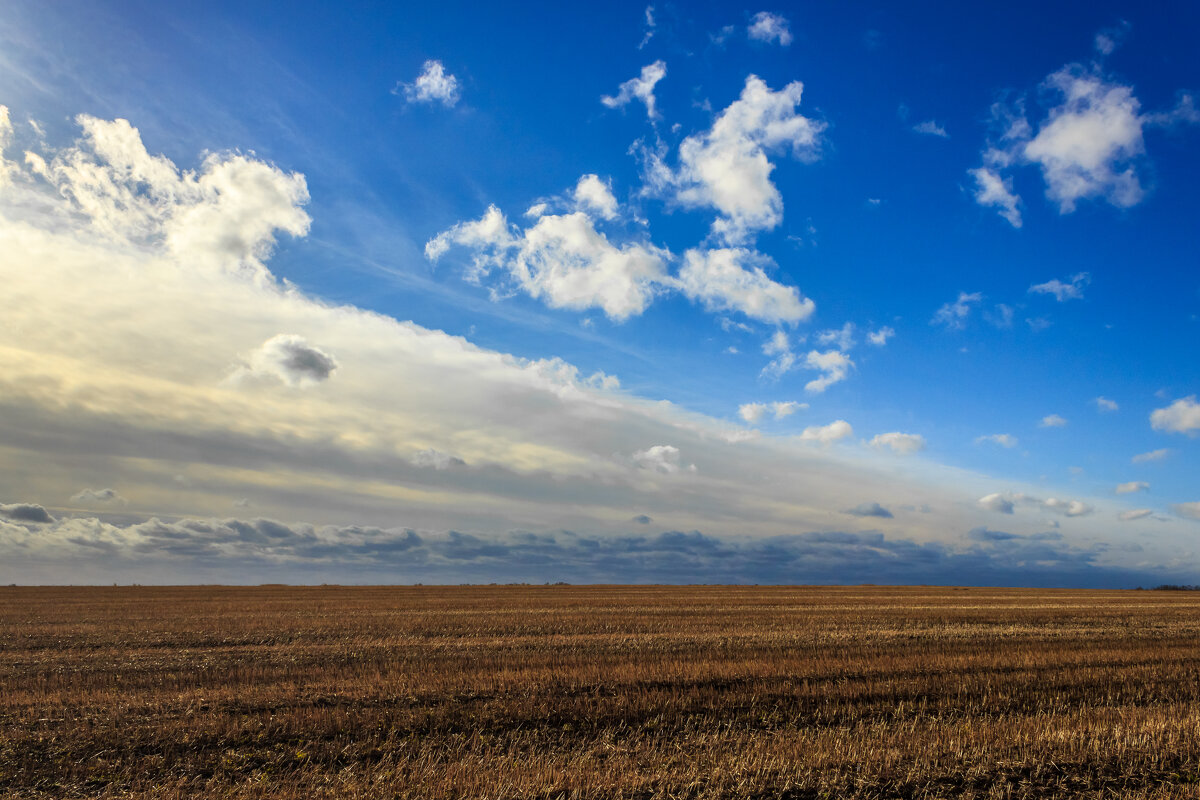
(1174, 587)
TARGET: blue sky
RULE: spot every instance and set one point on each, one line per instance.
(804, 293)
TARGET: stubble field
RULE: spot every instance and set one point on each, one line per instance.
(598, 692)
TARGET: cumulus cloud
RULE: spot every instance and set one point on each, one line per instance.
(1064, 291)
(880, 337)
(954, 315)
(1069, 508)
(931, 128)
(768, 27)
(834, 365)
(89, 497)
(436, 459)
(1104, 404)
(1189, 510)
(1182, 416)
(1153, 455)
(734, 279)
(433, 85)
(1132, 486)
(1109, 39)
(595, 196)
(869, 510)
(899, 443)
(662, 458)
(827, 434)
(1090, 145)
(842, 337)
(1137, 513)
(25, 512)
(1053, 421)
(756, 412)
(639, 88)
(726, 167)
(784, 358)
(1002, 439)
(562, 260)
(997, 502)
(290, 359)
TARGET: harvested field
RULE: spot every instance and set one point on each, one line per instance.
(598, 692)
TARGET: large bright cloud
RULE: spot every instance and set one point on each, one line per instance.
(734, 279)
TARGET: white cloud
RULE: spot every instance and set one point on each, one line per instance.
(1153, 455)
(733, 279)
(954, 315)
(843, 337)
(833, 363)
(1089, 145)
(1189, 510)
(784, 359)
(595, 195)
(640, 88)
(1002, 439)
(1109, 39)
(6, 137)
(992, 189)
(1104, 404)
(1069, 508)
(756, 412)
(726, 167)
(1064, 291)
(899, 443)
(434, 84)
(102, 497)
(290, 359)
(827, 434)
(997, 502)
(562, 260)
(931, 128)
(436, 459)
(768, 27)
(1053, 421)
(662, 458)
(1182, 416)
(880, 337)
(1132, 486)
(650, 27)
(1137, 513)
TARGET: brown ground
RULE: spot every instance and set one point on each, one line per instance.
(614, 692)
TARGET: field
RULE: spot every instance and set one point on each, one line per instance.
(598, 692)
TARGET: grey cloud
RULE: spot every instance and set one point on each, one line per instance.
(869, 510)
(25, 512)
(291, 359)
(642, 519)
(102, 496)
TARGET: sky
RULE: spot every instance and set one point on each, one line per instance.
(669, 293)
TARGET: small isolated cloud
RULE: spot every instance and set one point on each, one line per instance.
(842, 337)
(105, 497)
(1002, 439)
(1131, 487)
(290, 359)
(1189, 510)
(1064, 291)
(642, 519)
(1104, 404)
(880, 337)
(954, 315)
(735, 279)
(832, 363)
(1153, 455)
(827, 434)
(899, 443)
(1137, 513)
(1000, 317)
(1038, 324)
(1109, 39)
(1182, 416)
(639, 88)
(1053, 421)
(663, 458)
(595, 196)
(433, 85)
(756, 412)
(784, 359)
(996, 191)
(1070, 508)
(651, 24)
(435, 459)
(996, 502)
(768, 27)
(931, 128)
(25, 512)
(869, 510)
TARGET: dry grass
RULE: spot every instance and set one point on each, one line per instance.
(615, 692)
